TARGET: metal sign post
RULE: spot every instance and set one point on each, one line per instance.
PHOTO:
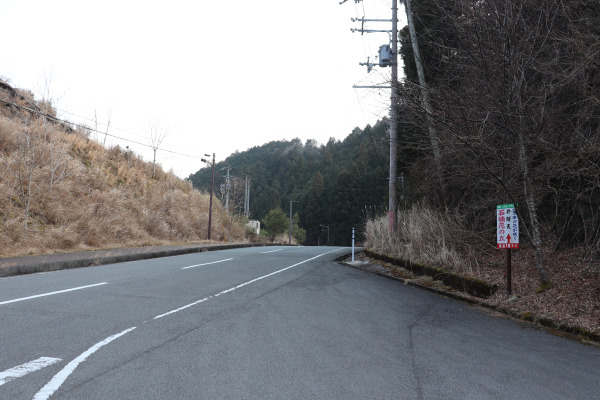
(507, 234)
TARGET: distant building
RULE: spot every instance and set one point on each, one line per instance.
(254, 225)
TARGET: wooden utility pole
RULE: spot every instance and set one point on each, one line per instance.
(212, 184)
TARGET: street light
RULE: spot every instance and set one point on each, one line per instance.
(212, 183)
(290, 232)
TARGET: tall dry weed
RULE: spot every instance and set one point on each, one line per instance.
(423, 235)
(84, 196)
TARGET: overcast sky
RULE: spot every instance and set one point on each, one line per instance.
(219, 75)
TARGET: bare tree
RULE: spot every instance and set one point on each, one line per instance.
(155, 138)
(41, 158)
(425, 96)
(27, 166)
(517, 109)
(27, 163)
(97, 126)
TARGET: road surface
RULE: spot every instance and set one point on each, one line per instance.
(268, 323)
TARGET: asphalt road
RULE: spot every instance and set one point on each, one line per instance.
(268, 323)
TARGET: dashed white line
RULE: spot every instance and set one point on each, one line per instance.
(239, 286)
(208, 263)
(51, 387)
(51, 293)
(270, 251)
(183, 308)
(58, 379)
(271, 274)
(27, 368)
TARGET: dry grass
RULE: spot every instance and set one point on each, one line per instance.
(428, 237)
(63, 191)
(423, 235)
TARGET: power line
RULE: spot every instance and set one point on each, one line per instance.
(84, 127)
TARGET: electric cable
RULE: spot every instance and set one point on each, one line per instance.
(84, 127)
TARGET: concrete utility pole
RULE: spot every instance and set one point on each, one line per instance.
(387, 59)
(247, 199)
(290, 232)
(393, 199)
(227, 188)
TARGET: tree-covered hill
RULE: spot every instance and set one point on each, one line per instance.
(334, 183)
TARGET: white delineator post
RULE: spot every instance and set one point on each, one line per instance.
(352, 244)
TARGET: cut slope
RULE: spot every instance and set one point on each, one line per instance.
(63, 191)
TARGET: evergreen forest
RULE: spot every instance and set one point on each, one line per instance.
(335, 184)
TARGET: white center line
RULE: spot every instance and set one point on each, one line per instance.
(208, 263)
(51, 387)
(58, 379)
(183, 308)
(239, 286)
(51, 293)
(270, 251)
(24, 369)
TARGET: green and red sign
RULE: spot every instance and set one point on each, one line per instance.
(507, 227)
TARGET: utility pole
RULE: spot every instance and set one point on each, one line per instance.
(388, 57)
(227, 188)
(247, 199)
(290, 232)
(212, 184)
(393, 200)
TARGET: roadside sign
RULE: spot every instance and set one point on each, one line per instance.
(507, 227)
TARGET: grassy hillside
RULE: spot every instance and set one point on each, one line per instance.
(63, 191)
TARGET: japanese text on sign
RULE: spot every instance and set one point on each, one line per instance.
(507, 227)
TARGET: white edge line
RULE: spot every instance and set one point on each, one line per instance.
(214, 262)
(27, 368)
(51, 387)
(52, 293)
(58, 379)
(270, 251)
(240, 286)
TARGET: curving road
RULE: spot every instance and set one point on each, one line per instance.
(268, 323)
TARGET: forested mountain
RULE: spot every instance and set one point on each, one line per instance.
(334, 183)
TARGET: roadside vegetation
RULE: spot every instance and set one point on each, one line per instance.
(63, 191)
(441, 240)
(507, 111)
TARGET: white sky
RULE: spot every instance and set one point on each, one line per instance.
(219, 75)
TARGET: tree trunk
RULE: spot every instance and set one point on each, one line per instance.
(536, 237)
(435, 142)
